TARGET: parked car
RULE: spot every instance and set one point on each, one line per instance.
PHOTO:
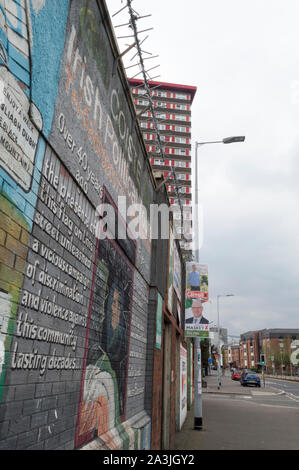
(250, 378)
(236, 375)
(244, 372)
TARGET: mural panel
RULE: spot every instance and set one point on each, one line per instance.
(104, 382)
(21, 145)
(73, 309)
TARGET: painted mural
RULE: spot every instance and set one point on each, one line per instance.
(73, 309)
(21, 154)
(11, 274)
(105, 370)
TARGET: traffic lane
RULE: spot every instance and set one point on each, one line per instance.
(266, 398)
(276, 399)
(271, 394)
(285, 385)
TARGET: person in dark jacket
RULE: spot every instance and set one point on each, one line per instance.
(197, 309)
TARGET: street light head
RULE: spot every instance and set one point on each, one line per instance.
(231, 140)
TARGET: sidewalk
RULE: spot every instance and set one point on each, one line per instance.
(232, 423)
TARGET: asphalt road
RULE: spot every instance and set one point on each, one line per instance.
(284, 385)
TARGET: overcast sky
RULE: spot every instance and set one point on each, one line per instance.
(243, 57)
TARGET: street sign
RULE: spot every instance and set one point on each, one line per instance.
(210, 360)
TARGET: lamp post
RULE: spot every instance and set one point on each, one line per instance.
(197, 355)
(218, 342)
(225, 140)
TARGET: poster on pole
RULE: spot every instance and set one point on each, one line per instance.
(196, 323)
(197, 286)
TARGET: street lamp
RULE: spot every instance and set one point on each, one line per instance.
(218, 347)
(225, 140)
(197, 363)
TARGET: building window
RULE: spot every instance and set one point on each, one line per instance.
(180, 96)
(139, 91)
(183, 107)
(181, 117)
(181, 129)
(161, 104)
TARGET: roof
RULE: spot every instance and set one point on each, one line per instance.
(279, 332)
(248, 335)
(271, 333)
(166, 86)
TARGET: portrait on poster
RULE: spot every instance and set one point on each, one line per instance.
(197, 281)
(196, 324)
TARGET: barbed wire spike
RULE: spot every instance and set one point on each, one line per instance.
(133, 25)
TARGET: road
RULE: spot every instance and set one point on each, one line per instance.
(288, 387)
(245, 418)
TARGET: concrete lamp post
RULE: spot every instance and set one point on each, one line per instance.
(197, 356)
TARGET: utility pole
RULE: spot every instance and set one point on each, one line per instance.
(197, 355)
(197, 350)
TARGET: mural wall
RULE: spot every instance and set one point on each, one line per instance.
(73, 307)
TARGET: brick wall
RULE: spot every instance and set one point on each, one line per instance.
(74, 320)
(157, 399)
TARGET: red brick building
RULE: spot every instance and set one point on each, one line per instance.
(278, 346)
(249, 350)
(233, 355)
